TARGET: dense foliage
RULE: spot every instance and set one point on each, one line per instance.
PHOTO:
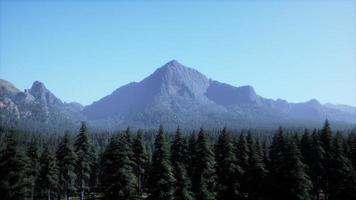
(205, 165)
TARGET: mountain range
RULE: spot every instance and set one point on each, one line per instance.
(173, 95)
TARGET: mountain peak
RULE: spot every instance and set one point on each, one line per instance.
(42, 94)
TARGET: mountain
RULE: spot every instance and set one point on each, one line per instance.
(173, 95)
(36, 108)
(178, 95)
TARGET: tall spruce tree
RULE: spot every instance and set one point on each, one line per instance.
(227, 169)
(47, 181)
(296, 184)
(179, 150)
(66, 165)
(12, 169)
(205, 177)
(342, 176)
(257, 171)
(141, 161)
(242, 152)
(32, 168)
(162, 181)
(83, 150)
(117, 178)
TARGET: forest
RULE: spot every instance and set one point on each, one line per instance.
(315, 164)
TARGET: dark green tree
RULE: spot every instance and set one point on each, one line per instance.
(256, 173)
(117, 177)
(342, 176)
(83, 151)
(205, 186)
(47, 181)
(12, 169)
(179, 155)
(162, 181)
(32, 168)
(227, 169)
(242, 152)
(141, 161)
(66, 165)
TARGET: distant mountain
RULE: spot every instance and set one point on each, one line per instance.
(177, 95)
(173, 95)
(36, 108)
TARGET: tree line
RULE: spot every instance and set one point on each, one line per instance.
(216, 165)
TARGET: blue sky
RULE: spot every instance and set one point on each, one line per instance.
(83, 50)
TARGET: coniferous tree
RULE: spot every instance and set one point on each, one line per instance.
(83, 151)
(12, 169)
(162, 181)
(66, 165)
(342, 176)
(297, 184)
(179, 155)
(227, 169)
(242, 152)
(352, 144)
(32, 168)
(140, 160)
(117, 178)
(275, 164)
(47, 181)
(205, 186)
(257, 172)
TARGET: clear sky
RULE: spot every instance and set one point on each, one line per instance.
(83, 50)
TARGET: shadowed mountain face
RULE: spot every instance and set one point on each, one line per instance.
(36, 109)
(175, 94)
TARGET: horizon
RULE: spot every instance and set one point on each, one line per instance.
(307, 49)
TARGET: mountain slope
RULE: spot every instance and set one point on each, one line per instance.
(175, 94)
(36, 108)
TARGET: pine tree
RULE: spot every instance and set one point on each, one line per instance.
(162, 180)
(140, 160)
(179, 155)
(47, 182)
(296, 184)
(12, 169)
(66, 165)
(83, 150)
(205, 187)
(242, 152)
(315, 155)
(257, 171)
(227, 170)
(117, 178)
(342, 176)
(275, 179)
(352, 144)
(32, 168)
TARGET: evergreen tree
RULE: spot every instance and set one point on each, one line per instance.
(12, 169)
(117, 178)
(179, 155)
(162, 180)
(47, 182)
(140, 160)
(66, 165)
(32, 168)
(227, 170)
(205, 186)
(242, 152)
(342, 176)
(257, 172)
(83, 150)
(296, 184)
(352, 144)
